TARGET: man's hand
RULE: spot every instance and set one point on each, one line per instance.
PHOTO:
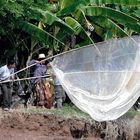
(12, 77)
(37, 62)
(40, 62)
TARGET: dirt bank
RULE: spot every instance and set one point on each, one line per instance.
(24, 126)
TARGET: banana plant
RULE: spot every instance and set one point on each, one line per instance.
(51, 21)
(113, 18)
(83, 18)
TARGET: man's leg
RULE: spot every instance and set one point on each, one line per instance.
(59, 102)
(5, 95)
(9, 89)
(58, 96)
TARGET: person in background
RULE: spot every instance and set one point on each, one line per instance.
(40, 86)
(39, 68)
(6, 75)
(59, 93)
(50, 78)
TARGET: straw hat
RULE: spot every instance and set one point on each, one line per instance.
(42, 55)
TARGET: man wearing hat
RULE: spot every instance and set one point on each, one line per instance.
(39, 85)
(40, 67)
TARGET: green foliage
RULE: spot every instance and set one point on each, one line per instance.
(118, 16)
(120, 2)
(10, 11)
(49, 18)
(38, 33)
(87, 20)
(136, 13)
(78, 29)
(68, 111)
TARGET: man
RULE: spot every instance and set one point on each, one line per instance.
(40, 86)
(39, 68)
(5, 75)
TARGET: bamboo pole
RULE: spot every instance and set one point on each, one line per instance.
(28, 78)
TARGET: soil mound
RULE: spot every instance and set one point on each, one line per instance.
(24, 126)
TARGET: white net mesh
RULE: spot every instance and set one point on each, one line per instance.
(103, 85)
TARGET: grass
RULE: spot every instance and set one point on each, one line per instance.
(131, 113)
(68, 111)
(71, 111)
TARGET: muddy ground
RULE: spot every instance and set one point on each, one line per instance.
(24, 126)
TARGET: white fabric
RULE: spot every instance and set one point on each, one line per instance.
(41, 56)
(5, 73)
(103, 85)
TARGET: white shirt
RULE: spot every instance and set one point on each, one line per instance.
(5, 73)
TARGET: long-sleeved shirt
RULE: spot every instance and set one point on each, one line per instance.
(39, 70)
(5, 73)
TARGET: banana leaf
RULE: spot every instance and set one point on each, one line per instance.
(118, 16)
(78, 28)
(65, 3)
(48, 18)
(110, 25)
(136, 13)
(38, 33)
(80, 31)
(120, 2)
(79, 4)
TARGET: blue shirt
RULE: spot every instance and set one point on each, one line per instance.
(40, 70)
(57, 82)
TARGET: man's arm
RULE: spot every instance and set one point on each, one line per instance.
(1, 71)
(31, 62)
(12, 77)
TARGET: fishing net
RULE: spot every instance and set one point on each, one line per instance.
(105, 85)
